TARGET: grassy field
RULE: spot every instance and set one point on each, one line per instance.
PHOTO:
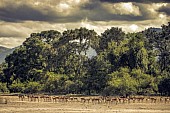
(14, 105)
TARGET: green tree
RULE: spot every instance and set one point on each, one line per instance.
(3, 88)
(122, 83)
(163, 44)
(159, 41)
(164, 87)
(17, 86)
(54, 83)
(118, 55)
(71, 57)
(96, 79)
(124, 64)
(33, 87)
(2, 76)
(24, 62)
(145, 84)
(112, 34)
(137, 54)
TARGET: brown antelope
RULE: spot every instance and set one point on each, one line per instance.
(123, 99)
(29, 97)
(71, 99)
(153, 100)
(55, 98)
(88, 100)
(131, 99)
(167, 99)
(114, 100)
(147, 99)
(102, 99)
(66, 98)
(161, 99)
(42, 99)
(61, 98)
(139, 99)
(35, 98)
(108, 100)
(47, 98)
(75, 99)
(21, 97)
(83, 100)
(95, 100)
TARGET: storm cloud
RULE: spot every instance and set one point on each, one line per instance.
(137, 1)
(94, 10)
(25, 12)
(165, 9)
(20, 18)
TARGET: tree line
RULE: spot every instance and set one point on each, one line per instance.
(80, 61)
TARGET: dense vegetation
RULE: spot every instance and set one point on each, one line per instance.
(80, 61)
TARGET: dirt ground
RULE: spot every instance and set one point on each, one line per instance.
(15, 106)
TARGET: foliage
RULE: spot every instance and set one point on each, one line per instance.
(123, 64)
(144, 82)
(17, 86)
(122, 83)
(54, 83)
(113, 34)
(3, 88)
(32, 87)
(2, 76)
(164, 87)
(96, 79)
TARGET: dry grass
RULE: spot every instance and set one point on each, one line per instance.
(16, 106)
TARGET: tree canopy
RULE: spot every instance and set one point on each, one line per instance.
(81, 61)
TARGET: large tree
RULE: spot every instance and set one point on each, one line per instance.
(27, 59)
(113, 34)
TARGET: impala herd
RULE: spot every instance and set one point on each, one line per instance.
(92, 99)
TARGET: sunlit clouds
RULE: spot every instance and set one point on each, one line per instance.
(20, 18)
(134, 27)
(123, 8)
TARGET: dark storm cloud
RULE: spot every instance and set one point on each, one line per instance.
(92, 10)
(165, 9)
(96, 12)
(137, 1)
(24, 12)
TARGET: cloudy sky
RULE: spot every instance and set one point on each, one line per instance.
(19, 18)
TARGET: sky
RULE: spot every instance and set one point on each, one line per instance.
(20, 18)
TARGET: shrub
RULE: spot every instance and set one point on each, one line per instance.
(3, 87)
(164, 86)
(32, 87)
(17, 86)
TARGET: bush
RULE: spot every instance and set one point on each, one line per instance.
(3, 87)
(122, 83)
(50, 86)
(164, 86)
(55, 83)
(17, 86)
(32, 87)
